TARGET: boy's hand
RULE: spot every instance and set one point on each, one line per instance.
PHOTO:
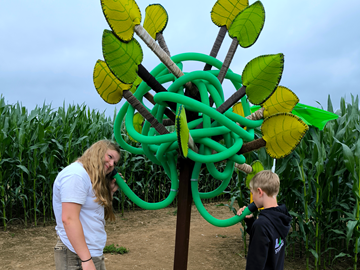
(239, 212)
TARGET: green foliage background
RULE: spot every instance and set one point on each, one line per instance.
(319, 180)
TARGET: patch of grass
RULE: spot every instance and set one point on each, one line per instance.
(115, 249)
(222, 236)
(173, 213)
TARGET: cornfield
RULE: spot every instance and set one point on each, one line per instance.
(319, 181)
(35, 146)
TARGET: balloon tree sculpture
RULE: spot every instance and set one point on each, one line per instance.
(208, 128)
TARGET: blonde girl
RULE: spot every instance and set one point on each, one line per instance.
(82, 201)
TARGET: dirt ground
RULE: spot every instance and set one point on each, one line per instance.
(150, 238)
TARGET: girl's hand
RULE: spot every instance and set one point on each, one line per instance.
(122, 177)
(113, 186)
(88, 265)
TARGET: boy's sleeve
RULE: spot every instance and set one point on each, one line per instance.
(249, 222)
(258, 249)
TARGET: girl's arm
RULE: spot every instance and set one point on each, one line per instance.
(74, 231)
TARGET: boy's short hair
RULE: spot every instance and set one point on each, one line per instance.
(268, 181)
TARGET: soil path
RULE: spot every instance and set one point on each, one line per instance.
(150, 238)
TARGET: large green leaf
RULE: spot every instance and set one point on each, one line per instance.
(122, 58)
(261, 76)
(107, 85)
(224, 11)
(138, 121)
(182, 131)
(310, 115)
(135, 84)
(122, 16)
(248, 24)
(156, 19)
(257, 167)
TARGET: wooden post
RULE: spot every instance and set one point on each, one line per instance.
(183, 215)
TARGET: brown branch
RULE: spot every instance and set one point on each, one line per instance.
(246, 168)
(162, 43)
(230, 55)
(217, 44)
(133, 101)
(252, 146)
(168, 122)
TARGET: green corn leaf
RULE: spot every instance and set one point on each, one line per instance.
(248, 24)
(357, 153)
(330, 105)
(313, 252)
(349, 159)
(122, 16)
(224, 11)
(261, 76)
(338, 232)
(349, 230)
(357, 126)
(122, 58)
(24, 169)
(340, 255)
(107, 85)
(156, 19)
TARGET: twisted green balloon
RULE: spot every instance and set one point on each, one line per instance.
(162, 149)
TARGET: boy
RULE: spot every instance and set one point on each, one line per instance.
(268, 232)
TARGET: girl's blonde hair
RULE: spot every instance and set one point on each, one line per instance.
(93, 162)
(268, 181)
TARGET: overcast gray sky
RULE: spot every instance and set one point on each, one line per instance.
(49, 48)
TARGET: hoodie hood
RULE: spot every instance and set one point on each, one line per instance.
(279, 217)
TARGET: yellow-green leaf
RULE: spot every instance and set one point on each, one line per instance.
(138, 121)
(224, 11)
(282, 100)
(282, 133)
(122, 58)
(248, 24)
(122, 16)
(182, 131)
(257, 167)
(238, 109)
(261, 76)
(107, 85)
(156, 19)
(135, 84)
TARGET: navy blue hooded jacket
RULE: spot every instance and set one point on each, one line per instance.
(267, 238)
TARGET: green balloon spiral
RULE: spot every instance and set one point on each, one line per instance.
(162, 149)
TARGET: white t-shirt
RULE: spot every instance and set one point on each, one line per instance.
(73, 184)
